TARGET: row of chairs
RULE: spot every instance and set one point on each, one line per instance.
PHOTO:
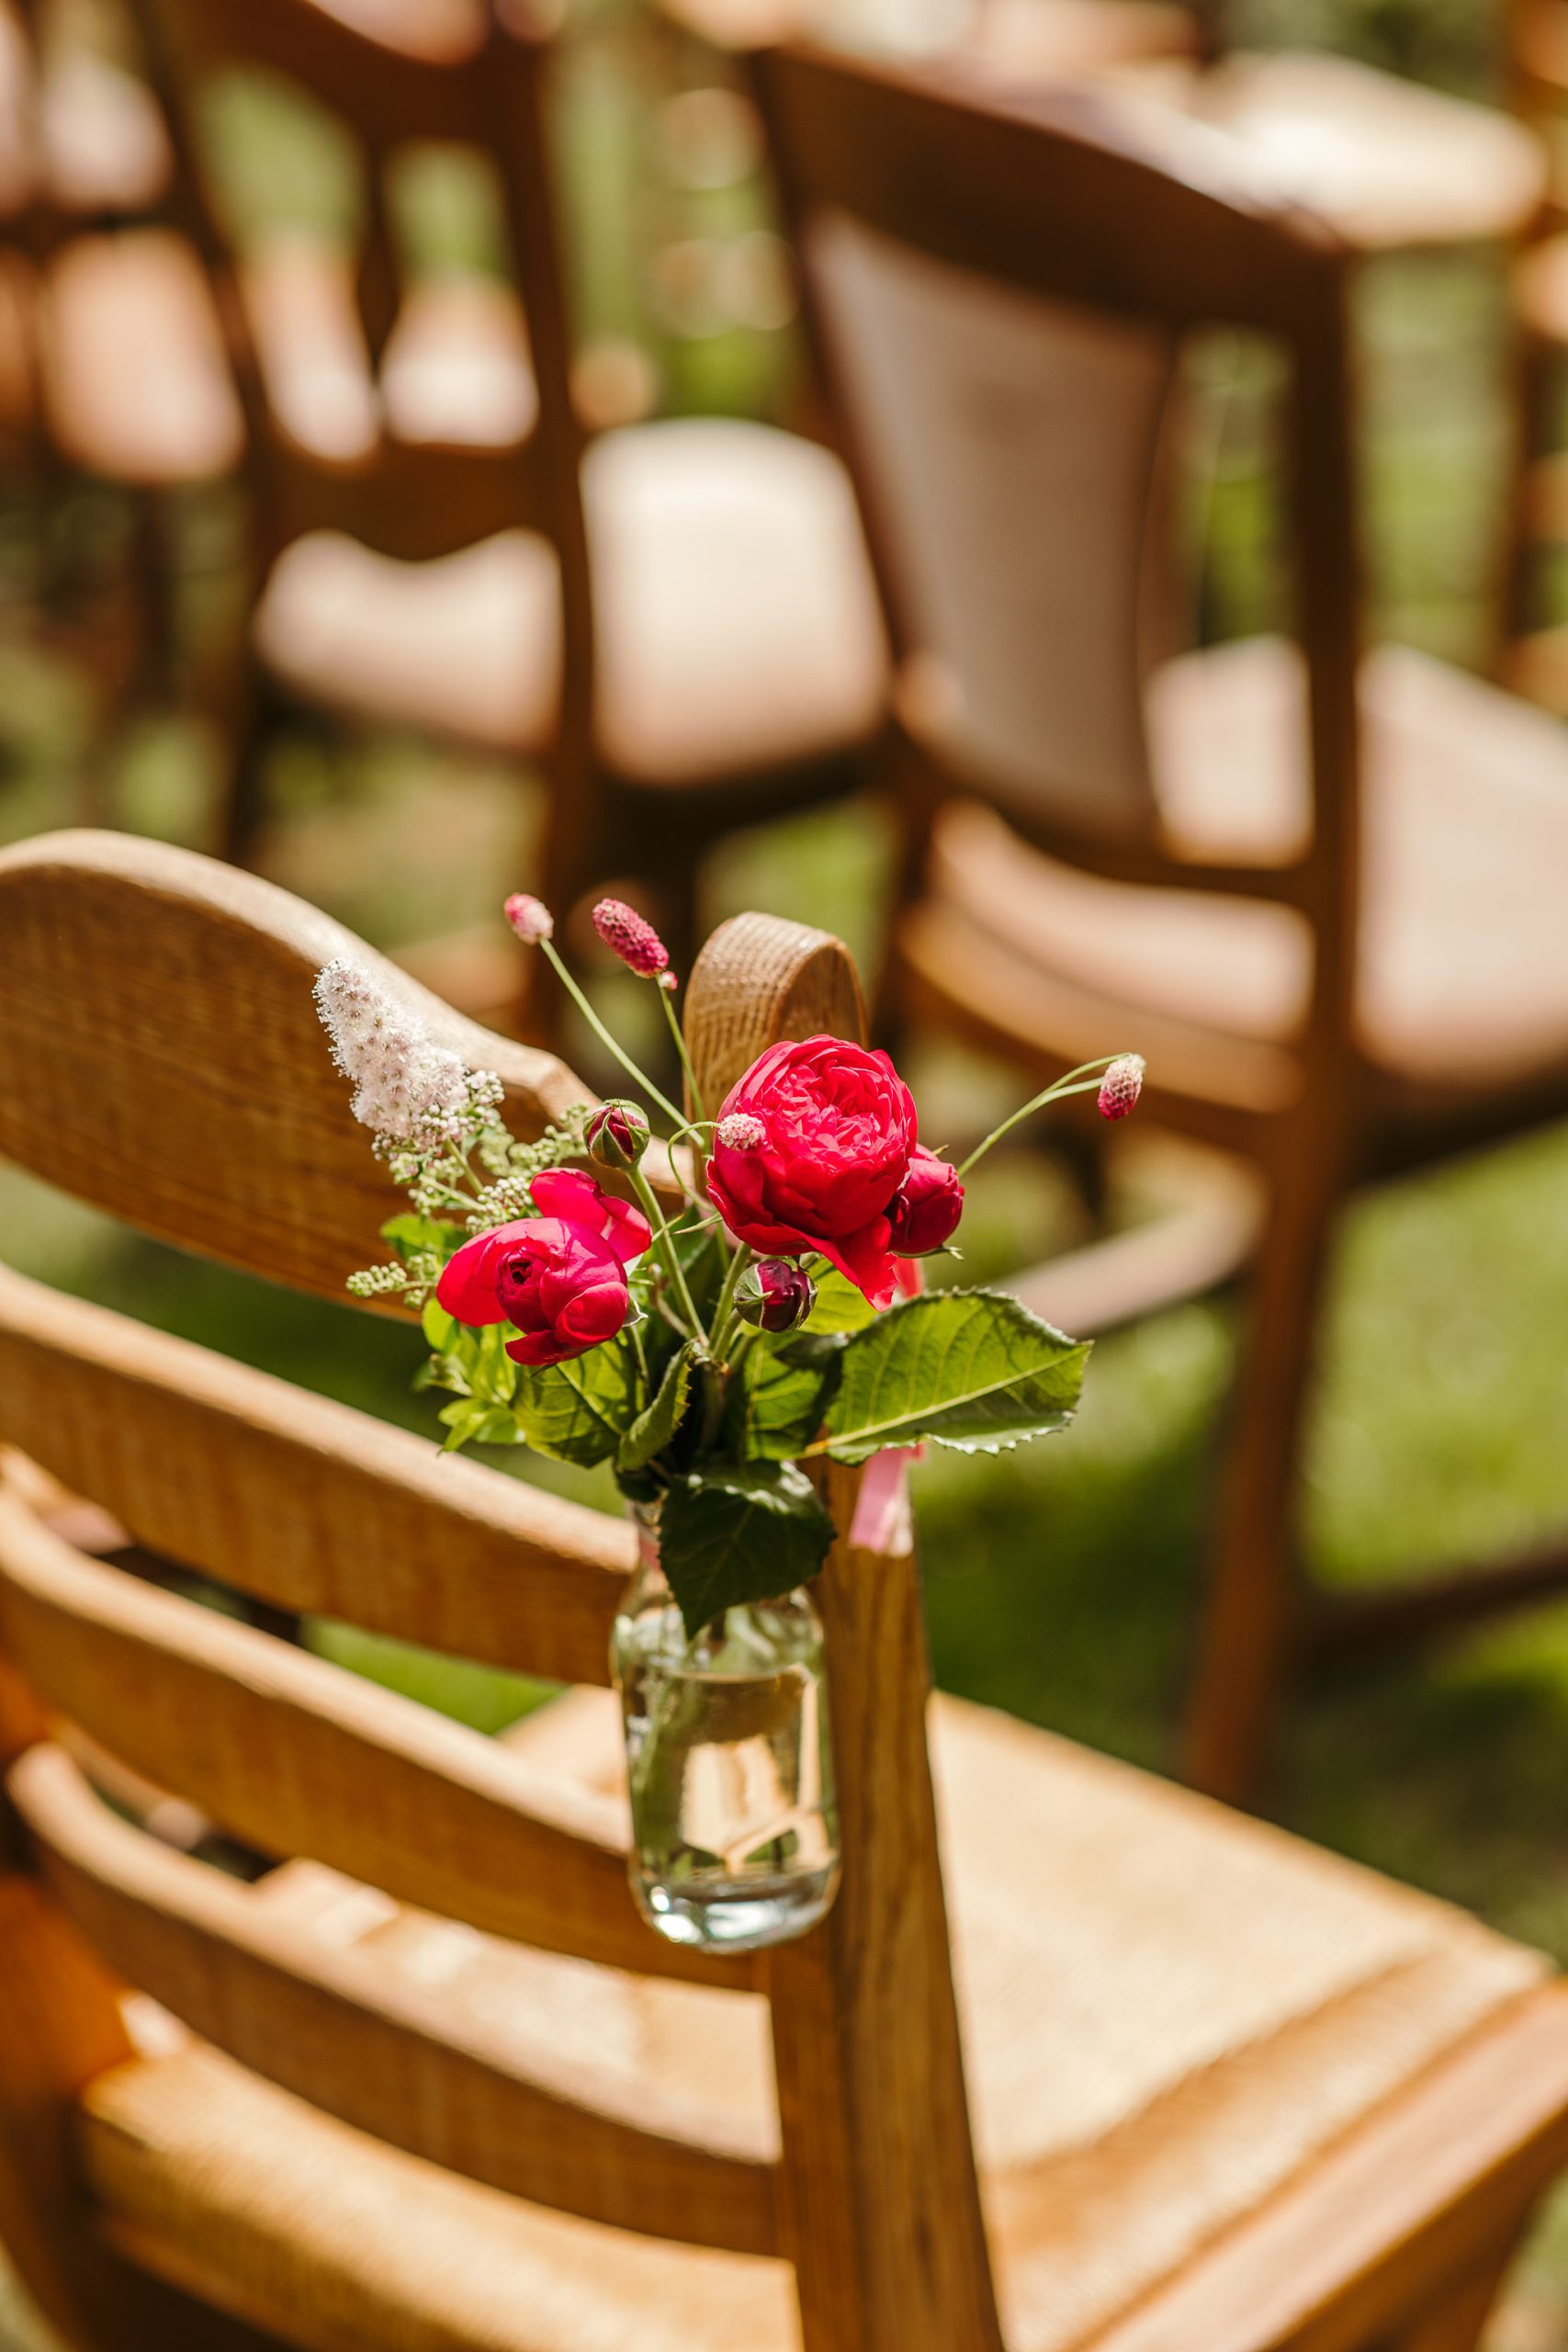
(417, 2085)
(1318, 887)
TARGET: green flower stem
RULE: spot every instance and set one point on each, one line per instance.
(664, 1241)
(679, 1035)
(547, 949)
(724, 1313)
(1053, 1093)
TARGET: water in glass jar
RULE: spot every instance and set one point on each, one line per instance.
(731, 1769)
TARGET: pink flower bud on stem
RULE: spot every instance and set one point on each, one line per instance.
(1120, 1086)
(529, 917)
(631, 937)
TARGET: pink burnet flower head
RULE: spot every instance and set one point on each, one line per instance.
(926, 1208)
(632, 938)
(837, 1135)
(740, 1132)
(1120, 1086)
(405, 1085)
(560, 1277)
(530, 917)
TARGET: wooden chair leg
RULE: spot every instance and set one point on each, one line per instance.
(1247, 1625)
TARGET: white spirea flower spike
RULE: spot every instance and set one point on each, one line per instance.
(405, 1085)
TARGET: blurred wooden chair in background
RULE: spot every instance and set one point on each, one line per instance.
(1536, 653)
(1321, 892)
(112, 363)
(423, 2080)
(675, 619)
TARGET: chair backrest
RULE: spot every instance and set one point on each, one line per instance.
(998, 284)
(159, 1058)
(320, 330)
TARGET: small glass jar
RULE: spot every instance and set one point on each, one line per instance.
(735, 1836)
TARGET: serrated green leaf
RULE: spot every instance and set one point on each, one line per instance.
(972, 1369)
(739, 1533)
(577, 1411)
(653, 1428)
(778, 1397)
(839, 1304)
(492, 1372)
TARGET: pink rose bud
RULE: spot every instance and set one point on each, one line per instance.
(740, 1132)
(618, 1136)
(529, 917)
(632, 937)
(774, 1295)
(925, 1210)
(1120, 1086)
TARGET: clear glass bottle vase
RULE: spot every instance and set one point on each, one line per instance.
(734, 1835)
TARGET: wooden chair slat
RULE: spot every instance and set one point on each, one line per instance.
(304, 1502)
(296, 1757)
(426, 81)
(370, 2044)
(160, 1057)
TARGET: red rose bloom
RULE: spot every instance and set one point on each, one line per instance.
(927, 1206)
(838, 1134)
(560, 1278)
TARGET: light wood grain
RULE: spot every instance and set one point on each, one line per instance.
(373, 2045)
(879, 2202)
(304, 1502)
(160, 1057)
(296, 1757)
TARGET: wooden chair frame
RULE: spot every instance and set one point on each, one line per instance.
(159, 1058)
(1059, 196)
(492, 93)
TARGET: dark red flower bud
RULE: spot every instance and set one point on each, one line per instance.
(618, 1136)
(925, 1210)
(632, 937)
(774, 1295)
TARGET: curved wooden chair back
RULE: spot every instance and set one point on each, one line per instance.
(159, 1058)
(401, 76)
(997, 284)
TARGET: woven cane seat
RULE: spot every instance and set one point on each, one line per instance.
(1463, 966)
(1169, 2010)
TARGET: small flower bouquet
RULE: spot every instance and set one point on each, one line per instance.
(708, 1355)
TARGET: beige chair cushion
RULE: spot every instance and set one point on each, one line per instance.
(1168, 2009)
(1464, 978)
(737, 624)
(1393, 165)
(136, 379)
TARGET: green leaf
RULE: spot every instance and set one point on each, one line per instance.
(471, 1422)
(577, 1412)
(653, 1429)
(839, 1306)
(748, 1532)
(972, 1369)
(492, 1372)
(778, 1397)
(438, 1326)
(410, 1235)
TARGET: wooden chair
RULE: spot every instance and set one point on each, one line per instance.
(1319, 891)
(426, 2081)
(675, 618)
(1534, 656)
